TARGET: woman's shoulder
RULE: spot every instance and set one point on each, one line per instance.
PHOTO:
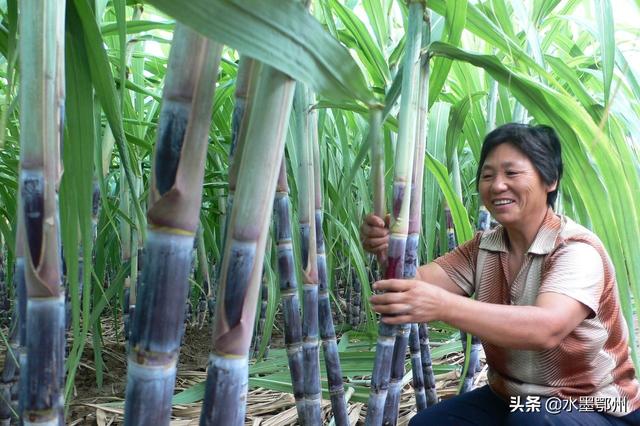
(577, 240)
(571, 231)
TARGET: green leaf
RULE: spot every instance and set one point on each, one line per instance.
(480, 25)
(135, 27)
(280, 33)
(367, 50)
(464, 230)
(76, 190)
(121, 18)
(378, 21)
(455, 21)
(606, 36)
(105, 88)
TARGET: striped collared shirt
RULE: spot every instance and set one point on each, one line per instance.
(593, 361)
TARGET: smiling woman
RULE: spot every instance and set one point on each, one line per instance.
(546, 308)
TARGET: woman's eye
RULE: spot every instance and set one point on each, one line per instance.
(485, 176)
(511, 173)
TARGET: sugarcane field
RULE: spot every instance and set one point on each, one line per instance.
(319, 212)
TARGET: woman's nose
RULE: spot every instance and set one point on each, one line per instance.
(498, 184)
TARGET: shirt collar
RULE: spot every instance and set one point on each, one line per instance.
(544, 242)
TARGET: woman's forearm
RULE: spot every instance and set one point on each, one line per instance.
(538, 327)
(516, 327)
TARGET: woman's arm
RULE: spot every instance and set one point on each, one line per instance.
(434, 274)
(538, 327)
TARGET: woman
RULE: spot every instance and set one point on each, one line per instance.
(546, 305)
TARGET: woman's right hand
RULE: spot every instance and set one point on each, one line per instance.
(374, 234)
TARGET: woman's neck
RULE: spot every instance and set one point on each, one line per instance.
(521, 236)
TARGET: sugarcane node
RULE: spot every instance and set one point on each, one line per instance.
(40, 416)
(173, 126)
(241, 263)
(149, 358)
(32, 193)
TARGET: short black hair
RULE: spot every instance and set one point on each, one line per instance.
(539, 143)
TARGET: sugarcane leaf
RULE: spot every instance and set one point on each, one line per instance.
(629, 73)
(121, 22)
(542, 9)
(76, 189)
(377, 20)
(464, 231)
(455, 21)
(480, 25)
(437, 130)
(8, 232)
(367, 50)
(135, 27)
(606, 37)
(568, 74)
(499, 12)
(103, 83)
(457, 118)
(4, 42)
(12, 20)
(280, 33)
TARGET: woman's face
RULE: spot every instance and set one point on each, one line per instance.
(511, 188)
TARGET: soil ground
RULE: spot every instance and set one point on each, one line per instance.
(90, 405)
(93, 406)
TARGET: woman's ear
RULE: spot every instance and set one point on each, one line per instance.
(553, 186)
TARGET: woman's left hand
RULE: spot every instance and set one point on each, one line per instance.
(407, 301)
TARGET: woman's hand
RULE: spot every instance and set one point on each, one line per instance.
(374, 234)
(407, 301)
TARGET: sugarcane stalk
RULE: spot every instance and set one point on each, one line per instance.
(377, 169)
(173, 216)
(451, 233)
(473, 365)
(327, 330)
(244, 94)
(262, 318)
(348, 298)
(301, 106)
(205, 278)
(10, 375)
(136, 246)
(42, 94)
(289, 290)
(484, 219)
(392, 402)
(401, 204)
(306, 120)
(471, 357)
(411, 260)
(5, 302)
(492, 106)
(356, 298)
(427, 365)
(244, 98)
(21, 311)
(125, 251)
(416, 368)
(227, 375)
